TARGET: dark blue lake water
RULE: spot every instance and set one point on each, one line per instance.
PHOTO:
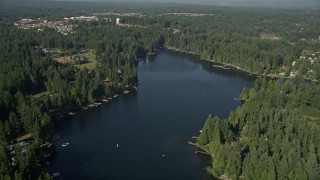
(176, 93)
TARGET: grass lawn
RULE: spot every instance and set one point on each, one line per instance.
(90, 55)
(269, 36)
(58, 50)
(92, 64)
(39, 95)
(64, 59)
(25, 137)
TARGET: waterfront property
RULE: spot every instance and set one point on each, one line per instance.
(144, 134)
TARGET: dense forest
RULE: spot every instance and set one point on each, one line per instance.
(267, 42)
(46, 72)
(273, 135)
(35, 89)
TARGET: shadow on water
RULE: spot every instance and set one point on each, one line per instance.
(208, 66)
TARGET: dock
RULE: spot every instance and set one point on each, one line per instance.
(218, 66)
(201, 152)
(198, 151)
(238, 99)
(191, 143)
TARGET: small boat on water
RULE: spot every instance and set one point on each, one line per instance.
(200, 131)
(71, 113)
(115, 96)
(56, 174)
(105, 100)
(117, 145)
(126, 92)
(65, 144)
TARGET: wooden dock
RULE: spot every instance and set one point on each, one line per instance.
(218, 66)
(198, 151)
(238, 99)
(202, 152)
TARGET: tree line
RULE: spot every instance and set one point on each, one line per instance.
(34, 87)
(273, 135)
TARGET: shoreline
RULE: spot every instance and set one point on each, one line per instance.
(61, 114)
(207, 153)
(233, 66)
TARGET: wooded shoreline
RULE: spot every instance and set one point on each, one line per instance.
(62, 113)
(234, 66)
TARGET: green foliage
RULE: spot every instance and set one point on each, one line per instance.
(232, 37)
(271, 136)
(32, 85)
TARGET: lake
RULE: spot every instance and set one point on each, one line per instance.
(152, 126)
